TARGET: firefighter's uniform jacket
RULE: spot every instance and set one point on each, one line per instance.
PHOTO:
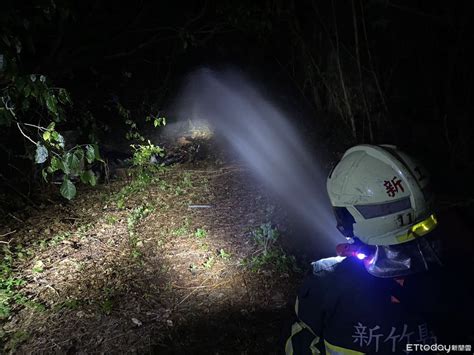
(342, 309)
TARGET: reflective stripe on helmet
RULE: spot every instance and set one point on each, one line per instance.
(383, 209)
(419, 229)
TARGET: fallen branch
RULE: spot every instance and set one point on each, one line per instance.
(4, 235)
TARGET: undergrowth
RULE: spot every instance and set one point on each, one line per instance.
(268, 252)
(10, 283)
(11, 294)
(135, 216)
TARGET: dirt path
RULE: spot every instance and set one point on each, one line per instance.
(133, 267)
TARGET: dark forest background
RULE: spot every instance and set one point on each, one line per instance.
(376, 71)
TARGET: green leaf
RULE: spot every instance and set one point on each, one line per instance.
(84, 177)
(51, 104)
(41, 154)
(79, 153)
(68, 190)
(4, 310)
(36, 91)
(45, 175)
(47, 135)
(55, 164)
(72, 164)
(88, 177)
(93, 180)
(51, 126)
(90, 154)
(96, 152)
(65, 164)
(60, 141)
(160, 121)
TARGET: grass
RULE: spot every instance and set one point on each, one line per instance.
(84, 228)
(224, 255)
(183, 229)
(134, 217)
(137, 214)
(209, 263)
(183, 186)
(187, 182)
(136, 186)
(11, 294)
(16, 339)
(268, 252)
(106, 306)
(38, 267)
(10, 285)
(143, 174)
(71, 304)
(111, 219)
(204, 246)
(200, 233)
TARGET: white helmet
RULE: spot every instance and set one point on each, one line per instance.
(380, 196)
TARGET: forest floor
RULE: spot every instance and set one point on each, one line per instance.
(134, 267)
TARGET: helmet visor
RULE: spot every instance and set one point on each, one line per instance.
(345, 221)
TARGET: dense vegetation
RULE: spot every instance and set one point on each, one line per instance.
(372, 71)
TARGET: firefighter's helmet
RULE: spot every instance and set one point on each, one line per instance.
(381, 196)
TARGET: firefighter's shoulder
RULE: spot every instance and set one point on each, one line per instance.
(330, 271)
(322, 285)
(326, 265)
(336, 266)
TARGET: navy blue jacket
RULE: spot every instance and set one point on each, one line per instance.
(349, 309)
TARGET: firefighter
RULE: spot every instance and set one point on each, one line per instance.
(387, 290)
